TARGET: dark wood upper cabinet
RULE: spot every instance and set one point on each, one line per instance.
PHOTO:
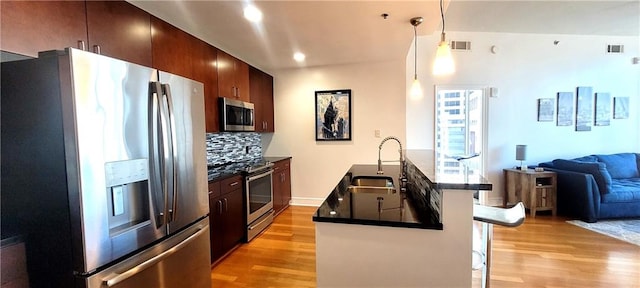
(119, 30)
(178, 52)
(233, 77)
(204, 70)
(261, 92)
(126, 32)
(28, 27)
(171, 48)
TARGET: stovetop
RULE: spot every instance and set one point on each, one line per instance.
(244, 167)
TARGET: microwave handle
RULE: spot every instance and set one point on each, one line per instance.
(250, 117)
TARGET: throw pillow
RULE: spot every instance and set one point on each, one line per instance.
(588, 158)
(621, 165)
(597, 169)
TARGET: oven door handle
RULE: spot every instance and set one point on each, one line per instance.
(259, 223)
(254, 177)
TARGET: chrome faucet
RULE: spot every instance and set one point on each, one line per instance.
(401, 158)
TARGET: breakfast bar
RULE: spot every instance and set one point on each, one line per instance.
(406, 227)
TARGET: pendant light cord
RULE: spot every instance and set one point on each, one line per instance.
(415, 55)
(442, 15)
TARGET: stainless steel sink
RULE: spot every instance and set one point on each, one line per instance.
(371, 190)
(372, 181)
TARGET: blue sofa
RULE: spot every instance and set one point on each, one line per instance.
(597, 187)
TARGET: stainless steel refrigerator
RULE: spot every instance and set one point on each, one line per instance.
(104, 172)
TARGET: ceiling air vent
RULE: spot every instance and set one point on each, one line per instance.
(461, 45)
(616, 49)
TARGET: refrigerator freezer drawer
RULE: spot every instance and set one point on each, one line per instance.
(182, 260)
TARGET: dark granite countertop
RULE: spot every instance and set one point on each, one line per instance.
(419, 207)
(395, 210)
(216, 173)
(276, 158)
(465, 179)
(219, 172)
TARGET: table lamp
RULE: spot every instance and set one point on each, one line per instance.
(521, 155)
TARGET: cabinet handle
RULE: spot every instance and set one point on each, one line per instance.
(226, 206)
(237, 92)
(96, 49)
(234, 183)
(220, 207)
(81, 45)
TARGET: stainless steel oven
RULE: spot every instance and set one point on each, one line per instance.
(259, 189)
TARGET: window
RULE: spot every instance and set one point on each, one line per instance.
(459, 129)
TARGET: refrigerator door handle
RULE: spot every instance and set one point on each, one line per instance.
(152, 261)
(173, 213)
(158, 149)
(167, 154)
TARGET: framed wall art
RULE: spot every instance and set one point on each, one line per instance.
(603, 109)
(565, 109)
(584, 108)
(620, 107)
(546, 109)
(333, 115)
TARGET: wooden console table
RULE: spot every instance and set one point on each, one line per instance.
(537, 190)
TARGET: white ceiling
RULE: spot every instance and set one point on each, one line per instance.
(345, 32)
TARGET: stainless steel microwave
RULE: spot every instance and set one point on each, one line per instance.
(236, 115)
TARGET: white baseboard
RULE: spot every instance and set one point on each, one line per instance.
(306, 201)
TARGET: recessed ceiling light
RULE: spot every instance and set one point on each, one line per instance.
(252, 14)
(299, 57)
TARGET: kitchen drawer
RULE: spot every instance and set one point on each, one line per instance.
(281, 165)
(230, 184)
(214, 188)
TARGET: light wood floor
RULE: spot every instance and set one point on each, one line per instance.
(543, 252)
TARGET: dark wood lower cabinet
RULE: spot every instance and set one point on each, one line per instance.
(226, 218)
(281, 185)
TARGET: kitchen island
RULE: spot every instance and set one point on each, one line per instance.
(420, 238)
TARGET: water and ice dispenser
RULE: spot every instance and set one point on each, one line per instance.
(127, 184)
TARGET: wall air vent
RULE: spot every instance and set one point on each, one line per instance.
(461, 45)
(615, 49)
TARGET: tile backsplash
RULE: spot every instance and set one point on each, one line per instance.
(228, 147)
(418, 182)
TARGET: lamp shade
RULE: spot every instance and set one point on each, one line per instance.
(416, 90)
(443, 64)
(521, 152)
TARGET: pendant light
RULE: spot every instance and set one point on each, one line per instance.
(443, 64)
(416, 89)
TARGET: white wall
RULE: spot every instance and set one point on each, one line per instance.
(525, 68)
(378, 102)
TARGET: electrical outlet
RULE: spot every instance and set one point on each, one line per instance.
(377, 133)
(246, 148)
